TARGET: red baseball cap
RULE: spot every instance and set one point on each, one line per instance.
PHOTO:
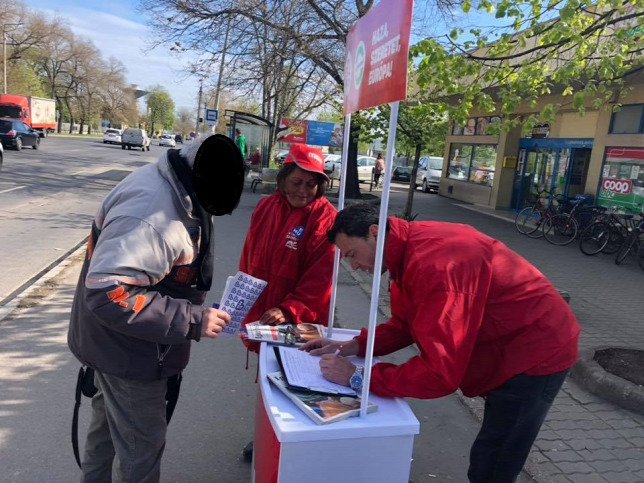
(307, 158)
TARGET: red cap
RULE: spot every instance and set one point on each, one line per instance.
(307, 158)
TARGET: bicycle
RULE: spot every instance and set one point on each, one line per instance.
(529, 219)
(631, 243)
(606, 234)
(562, 228)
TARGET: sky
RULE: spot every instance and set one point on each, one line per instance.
(117, 30)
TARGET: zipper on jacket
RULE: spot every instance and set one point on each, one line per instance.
(161, 353)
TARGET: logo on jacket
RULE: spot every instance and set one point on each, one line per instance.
(293, 236)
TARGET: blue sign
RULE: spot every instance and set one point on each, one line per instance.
(211, 116)
(324, 134)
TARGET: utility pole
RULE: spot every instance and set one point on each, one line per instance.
(199, 105)
(221, 64)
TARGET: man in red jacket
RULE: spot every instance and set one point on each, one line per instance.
(483, 318)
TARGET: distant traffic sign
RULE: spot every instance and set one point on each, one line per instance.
(211, 116)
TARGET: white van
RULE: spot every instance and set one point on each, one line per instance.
(134, 137)
(430, 169)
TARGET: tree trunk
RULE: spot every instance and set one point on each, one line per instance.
(352, 188)
(412, 184)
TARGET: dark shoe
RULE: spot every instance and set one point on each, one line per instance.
(247, 452)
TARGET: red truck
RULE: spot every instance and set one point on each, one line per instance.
(38, 112)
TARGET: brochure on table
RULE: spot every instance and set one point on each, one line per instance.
(290, 424)
(284, 334)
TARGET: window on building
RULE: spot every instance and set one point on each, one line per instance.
(622, 181)
(628, 120)
(473, 163)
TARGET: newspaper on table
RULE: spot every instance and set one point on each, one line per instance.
(240, 294)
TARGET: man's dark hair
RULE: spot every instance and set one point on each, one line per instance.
(355, 221)
(288, 168)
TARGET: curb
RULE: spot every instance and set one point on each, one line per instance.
(12, 302)
(602, 383)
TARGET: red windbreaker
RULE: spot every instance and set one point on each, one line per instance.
(478, 313)
(288, 248)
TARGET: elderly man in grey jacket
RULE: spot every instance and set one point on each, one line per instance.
(138, 302)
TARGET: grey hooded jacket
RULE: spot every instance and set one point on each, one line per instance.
(137, 293)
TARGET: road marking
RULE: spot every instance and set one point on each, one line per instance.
(13, 189)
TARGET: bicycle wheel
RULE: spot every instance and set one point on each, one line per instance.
(594, 238)
(616, 238)
(560, 229)
(524, 219)
(532, 224)
(640, 255)
(626, 248)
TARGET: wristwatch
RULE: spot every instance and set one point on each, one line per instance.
(356, 379)
(194, 331)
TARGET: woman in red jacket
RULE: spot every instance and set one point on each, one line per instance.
(286, 245)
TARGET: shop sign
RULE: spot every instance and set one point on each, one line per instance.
(621, 186)
(540, 131)
(376, 59)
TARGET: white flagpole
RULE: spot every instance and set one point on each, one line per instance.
(380, 244)
(336, 259)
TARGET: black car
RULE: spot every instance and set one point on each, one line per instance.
(16, 134)
(178, 138)
(401, 173)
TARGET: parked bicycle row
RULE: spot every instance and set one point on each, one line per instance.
(561, 221)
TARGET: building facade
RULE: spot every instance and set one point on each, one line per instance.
(600, 153)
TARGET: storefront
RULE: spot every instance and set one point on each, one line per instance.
(559, 166)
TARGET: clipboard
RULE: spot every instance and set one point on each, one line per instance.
(313, 390)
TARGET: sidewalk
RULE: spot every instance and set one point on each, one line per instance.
(585, 438)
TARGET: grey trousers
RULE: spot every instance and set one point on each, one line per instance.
(126, 435)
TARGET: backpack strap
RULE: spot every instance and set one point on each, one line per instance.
(79, 385)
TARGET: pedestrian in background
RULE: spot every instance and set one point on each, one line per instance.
(240, 141)
(286, 245)
(379, 169)
(483, 319)
(138, 302)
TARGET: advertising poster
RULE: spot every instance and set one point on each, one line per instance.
(291, 131)
(377, 52)
(324, 134)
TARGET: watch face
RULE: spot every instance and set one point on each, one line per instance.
(356, 382)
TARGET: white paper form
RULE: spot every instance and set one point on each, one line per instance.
(240, 294)
(303, 370)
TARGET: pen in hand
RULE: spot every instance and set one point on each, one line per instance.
(337, 351)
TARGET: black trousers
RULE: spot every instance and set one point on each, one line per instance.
(514, 413)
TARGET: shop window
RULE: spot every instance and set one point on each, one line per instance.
(622, 182)
(473, 163)
(629, 120)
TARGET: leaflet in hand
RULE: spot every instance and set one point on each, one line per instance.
(285, 334)
(240, 294)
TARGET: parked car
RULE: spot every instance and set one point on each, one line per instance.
(428, 176)
(365, 168)
(16, 134)
(401, 174)
(112, 136)
(332, 165)
(167, 140)
(134, 137)
(280, 156)
(178, 138)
